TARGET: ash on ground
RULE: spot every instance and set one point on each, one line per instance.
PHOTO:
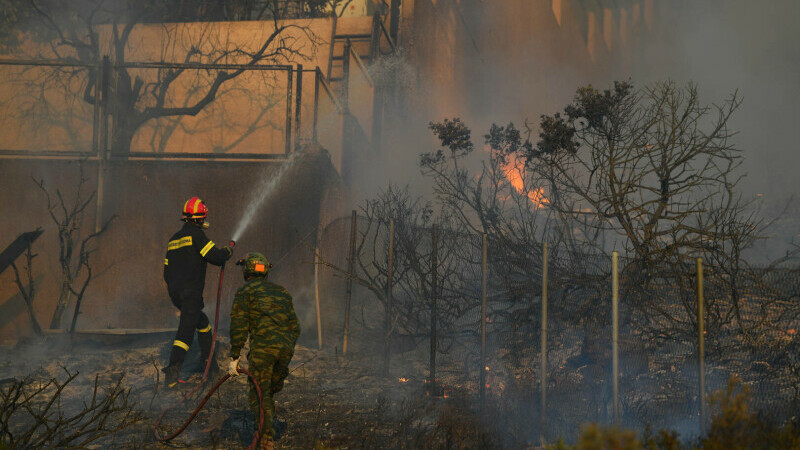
(328, 401)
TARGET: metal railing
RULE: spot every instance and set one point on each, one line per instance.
(102, 104)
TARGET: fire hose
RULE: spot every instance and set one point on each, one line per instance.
(214, 388)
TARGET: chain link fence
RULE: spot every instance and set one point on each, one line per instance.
(482, 341)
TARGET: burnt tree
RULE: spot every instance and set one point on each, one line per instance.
(38, 414)
(26, 283)
(75, 248)
(27, 289)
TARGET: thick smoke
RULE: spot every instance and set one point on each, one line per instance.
(747, 46)
(512, 61)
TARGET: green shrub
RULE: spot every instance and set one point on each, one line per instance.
(734, 426)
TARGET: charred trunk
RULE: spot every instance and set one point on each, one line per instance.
(61, 306)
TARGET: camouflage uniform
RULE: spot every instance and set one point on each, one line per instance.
(263, 311)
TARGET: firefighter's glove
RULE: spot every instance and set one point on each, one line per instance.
(229, 251)
(233, 367)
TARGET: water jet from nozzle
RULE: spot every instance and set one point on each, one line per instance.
(259, 195)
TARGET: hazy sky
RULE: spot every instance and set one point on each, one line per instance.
(524, 69)
(752, 46)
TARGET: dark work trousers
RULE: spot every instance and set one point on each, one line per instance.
(190, 302)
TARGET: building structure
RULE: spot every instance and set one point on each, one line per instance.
(349, 102)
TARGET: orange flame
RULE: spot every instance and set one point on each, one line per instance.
(513, 170)
(403, 380)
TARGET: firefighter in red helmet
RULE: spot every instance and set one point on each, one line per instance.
(188, 252)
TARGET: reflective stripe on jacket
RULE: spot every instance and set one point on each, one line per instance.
(188, 252)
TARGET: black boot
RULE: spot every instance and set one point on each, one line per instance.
(172, 372)
(279, 427)
(205, 340)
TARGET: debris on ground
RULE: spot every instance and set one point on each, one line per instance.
(328, 401)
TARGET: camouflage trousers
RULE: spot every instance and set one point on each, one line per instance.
(270, 367)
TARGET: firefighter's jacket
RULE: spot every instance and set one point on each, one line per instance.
(188, 252)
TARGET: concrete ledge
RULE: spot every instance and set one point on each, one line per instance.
(115, 331)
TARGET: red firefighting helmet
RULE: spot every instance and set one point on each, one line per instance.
(194, 208)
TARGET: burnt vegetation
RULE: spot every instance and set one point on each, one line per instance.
(649, 172)
(76, 246)
(36, 413)
(27, 286)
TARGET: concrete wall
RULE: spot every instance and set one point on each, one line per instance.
(147, 196)
(247, 116)
(483, 61)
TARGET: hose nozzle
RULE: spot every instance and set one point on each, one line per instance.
(232, 243)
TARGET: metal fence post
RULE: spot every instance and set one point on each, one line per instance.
(394, 21)
(96, 114)
(346, 77)
(377, 116)
(316, 288)
(100, 136)
(542, 433)
(375, 38)
(298, 106)
(111, 109)
(389, 273)
(484, 276)
(615, 332)
(350, 268)
(335, 19)
(434, 293)
(290, 78)
(317, 75)
(701, 344)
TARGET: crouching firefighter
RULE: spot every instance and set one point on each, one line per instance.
(263, 312)
(188, 252)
